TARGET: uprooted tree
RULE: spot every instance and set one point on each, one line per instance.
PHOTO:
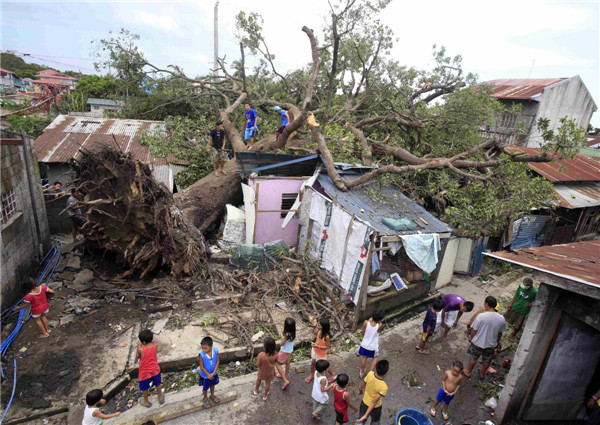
(128, 212)
(420, 128)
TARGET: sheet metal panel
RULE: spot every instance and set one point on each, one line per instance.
(578, 169)
(372, 203)
(578, 195)
(521, 89)
(579, 261)
(530, 232)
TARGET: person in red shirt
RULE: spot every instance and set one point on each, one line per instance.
(36, 297)
(341, 399)
(149, 370)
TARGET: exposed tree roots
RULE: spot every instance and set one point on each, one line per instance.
(128, 212)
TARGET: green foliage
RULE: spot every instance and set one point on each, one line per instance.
(188, 140)
(15, 106)
(73, 102)
(19, 66)
(33, 125)
(100, 87)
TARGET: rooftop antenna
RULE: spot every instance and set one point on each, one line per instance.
(216, 47)
(531, 69)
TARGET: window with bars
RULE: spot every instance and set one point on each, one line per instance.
(287, 202)
(9, 205)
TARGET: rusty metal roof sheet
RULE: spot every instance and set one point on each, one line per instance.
(578, 195)
(578, 261)
(521, 88)
(579, 169)
(67, 134)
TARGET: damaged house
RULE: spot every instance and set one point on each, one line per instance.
(62, 140)
(556, 367)
(577, 214)
(381, 247)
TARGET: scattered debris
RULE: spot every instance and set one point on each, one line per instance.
(84, 276)
(159, 326)
(73, 262)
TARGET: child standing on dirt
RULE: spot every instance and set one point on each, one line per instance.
(369, 347)
(429, 324)
(374, 388)
(341, 399)
(209, 363)
(149, 370)
(286, 350)
(319, 348)
(266, 361)
(320, 388)
(91, 414)
(450, 385)
(36, 297)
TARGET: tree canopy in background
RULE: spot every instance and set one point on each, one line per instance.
(420, 128)
(19, 66)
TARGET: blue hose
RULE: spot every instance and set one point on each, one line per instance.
(13, 391)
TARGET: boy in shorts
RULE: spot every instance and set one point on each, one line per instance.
(251, 128)
(429, 325)
(209, 363)
(450, 385)
(375, 389)
(216, 147)
(149, 370)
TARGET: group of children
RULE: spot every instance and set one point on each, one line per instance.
(373, 386)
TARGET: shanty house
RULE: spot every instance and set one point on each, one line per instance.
(365, 235)
(577, 216)
(99, 106)
(551, 98)
(556, 367)
(63, 139)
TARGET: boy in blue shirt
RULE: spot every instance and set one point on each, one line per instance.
(209, 362)
(429, 324)
(284, 118)
(251, 127)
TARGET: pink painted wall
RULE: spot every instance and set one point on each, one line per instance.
(268, 224)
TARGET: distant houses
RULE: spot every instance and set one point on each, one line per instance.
(99, 106)
(11, 82)
(50, 76)
(552, 98)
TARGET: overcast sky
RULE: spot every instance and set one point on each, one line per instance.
(526, 38)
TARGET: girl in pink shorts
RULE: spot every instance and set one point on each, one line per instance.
(287, 347)
(36, 297)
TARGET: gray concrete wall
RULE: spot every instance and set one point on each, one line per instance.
(568, 98)
(21, 247)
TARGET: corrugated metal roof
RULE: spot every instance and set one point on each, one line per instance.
(247, 161)
(104, 102)
(521, 88)
(593, 141)
(296, 167)
(372, 203)
(530, 232)
(579, 261)
(578, 195)
(50, 81)
(56, 74)
(578, 169)
(67, 134)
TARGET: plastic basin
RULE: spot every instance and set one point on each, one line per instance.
(410, 416)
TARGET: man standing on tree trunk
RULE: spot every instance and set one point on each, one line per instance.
(251, 127)
(217, 140)
(284, 119)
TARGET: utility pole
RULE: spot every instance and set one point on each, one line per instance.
(216, 47)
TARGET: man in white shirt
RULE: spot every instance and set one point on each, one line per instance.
(484, 336)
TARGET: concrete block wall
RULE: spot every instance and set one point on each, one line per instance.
(20, 246)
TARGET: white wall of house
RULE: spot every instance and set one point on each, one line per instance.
(568, 98)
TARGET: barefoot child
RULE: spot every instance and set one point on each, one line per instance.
(320, 388)
(341, 400)
(429, 324)
(216, 148)
(36, 297)
(319, 348)
(209, 362)
(148, 367)
(265, 362)
(369, 347)
(450, 385)
(286, 350)
(374, 388)
(91, 414)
